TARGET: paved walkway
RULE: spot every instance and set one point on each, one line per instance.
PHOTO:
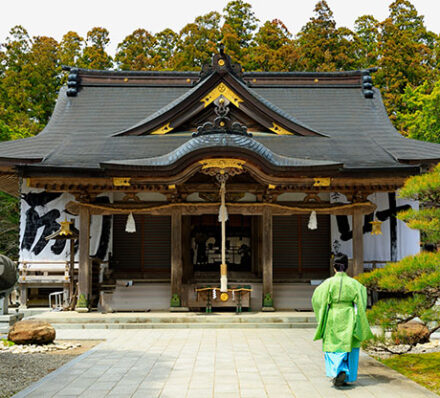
(182, 363)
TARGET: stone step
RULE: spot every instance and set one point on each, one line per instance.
(267, 325)
(202, 319)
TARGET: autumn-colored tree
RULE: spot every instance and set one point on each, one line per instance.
(70, 50)
(44, 71)
(274, 49)
(405, 49)
(242, 21)
(323, 46)
(138, 52)
(197, 42)
(166, 47)
(366, 29)
(30, 81)
(94, 55)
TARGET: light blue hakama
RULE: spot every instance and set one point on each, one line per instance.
(337, 362)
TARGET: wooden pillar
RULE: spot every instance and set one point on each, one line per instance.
(267, 256)
(188, 268)
(84, 271)
(255, 244)
(176, 259)
(358, 244)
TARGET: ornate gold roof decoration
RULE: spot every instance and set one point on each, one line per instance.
(322, 182)
(121, 181)
(222, 163)
(216, 166)
(279, 130)
(222, 89)
(163, 130)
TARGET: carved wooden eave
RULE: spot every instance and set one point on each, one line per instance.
(95, 186)
(222, 80)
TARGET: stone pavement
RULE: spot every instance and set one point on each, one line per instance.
(201, 363)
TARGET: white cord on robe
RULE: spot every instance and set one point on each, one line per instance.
(313, 221)
(223, 217)
(130, 227)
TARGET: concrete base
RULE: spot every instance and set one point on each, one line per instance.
(81, 310)
(6, 321)
(268, 309)
(179, 309)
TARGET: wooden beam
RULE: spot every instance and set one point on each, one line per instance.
(358, 243)
(84, 272)
(176, 253)
(267, 254)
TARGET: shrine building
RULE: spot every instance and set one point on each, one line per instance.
(187, 190)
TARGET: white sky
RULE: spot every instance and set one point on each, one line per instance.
(121, 17)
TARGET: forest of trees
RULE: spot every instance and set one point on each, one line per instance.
(405, 51)
(407, 54)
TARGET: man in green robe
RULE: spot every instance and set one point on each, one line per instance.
(339, 304)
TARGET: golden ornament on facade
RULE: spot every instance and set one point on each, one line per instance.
(279, 130)
(222, 163)
(121, 181)
(322, 182)
(163, 130)
(222, 89)
(224, 297)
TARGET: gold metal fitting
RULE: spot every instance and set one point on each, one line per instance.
(223, 269)
(322, 182)
(224, 297)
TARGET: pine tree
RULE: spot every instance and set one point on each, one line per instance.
(415, 280)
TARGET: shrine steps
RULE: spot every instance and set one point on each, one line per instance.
(266, 325)
(164, 320)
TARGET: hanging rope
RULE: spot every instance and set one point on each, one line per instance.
(223, 217)
(121, 209)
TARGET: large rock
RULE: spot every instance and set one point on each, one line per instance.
(411, 333)
(32, 332)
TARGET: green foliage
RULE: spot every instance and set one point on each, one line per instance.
(366, 29)
(420, 117)
(416, 280)
(412, 274)
(424, 188)
(7, 343)
(239, 16)
(323, 46)
(138, 52)
(198, 41)
(406, 55)
(391, 312)
(94, 55)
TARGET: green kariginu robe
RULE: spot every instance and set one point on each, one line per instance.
(339, 304)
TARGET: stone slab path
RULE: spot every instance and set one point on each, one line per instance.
(190, 363)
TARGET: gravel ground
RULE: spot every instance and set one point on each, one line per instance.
(380, 352)
(18, 371)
